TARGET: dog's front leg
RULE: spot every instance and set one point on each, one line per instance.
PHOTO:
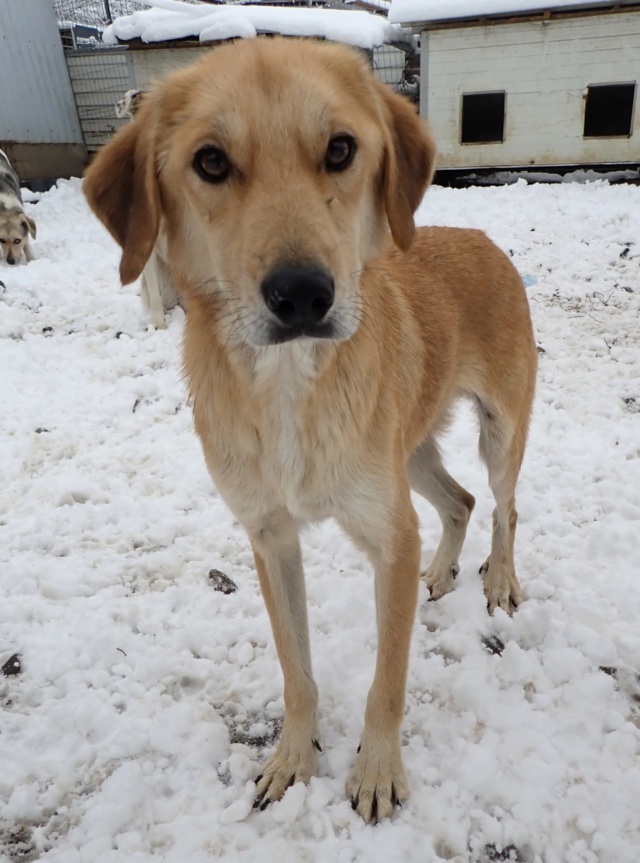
(279, 563)
(379, 781)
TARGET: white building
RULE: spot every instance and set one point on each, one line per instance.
(524, 83)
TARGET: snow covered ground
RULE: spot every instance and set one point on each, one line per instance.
(145, 699)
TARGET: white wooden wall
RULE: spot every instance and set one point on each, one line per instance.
(152, 64)
(544, 69)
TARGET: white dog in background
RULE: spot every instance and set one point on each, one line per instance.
(156, 286)
(15, 226)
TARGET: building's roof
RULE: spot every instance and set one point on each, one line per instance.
(433, 11)
(173, 20)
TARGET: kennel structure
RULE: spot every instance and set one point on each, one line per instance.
(144, 47)
(162, 40)
(527, 84)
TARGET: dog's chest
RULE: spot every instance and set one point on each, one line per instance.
(289, 463)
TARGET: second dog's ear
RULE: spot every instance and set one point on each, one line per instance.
(408, 166)
(121, 187)
(30, 226)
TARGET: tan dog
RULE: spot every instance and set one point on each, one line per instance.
(323, 365)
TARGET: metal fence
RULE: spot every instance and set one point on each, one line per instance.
(94, 13)
(99, 78)
(395, 68)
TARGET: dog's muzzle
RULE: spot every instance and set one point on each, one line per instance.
(300, 298)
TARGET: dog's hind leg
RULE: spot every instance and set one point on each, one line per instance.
(501, 448)
(279, 563)
(453, 504)
(151, 291)
(168, 293)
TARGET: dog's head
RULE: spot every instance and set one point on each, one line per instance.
(277, 168)
(15, 227)
(129, 104)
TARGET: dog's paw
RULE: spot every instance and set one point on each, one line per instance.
(292, 762)
(501, 587)
(378, 782)
(440, 579)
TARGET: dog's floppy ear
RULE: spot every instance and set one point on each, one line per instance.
(30, 225)
(122, 189)
(409, 162)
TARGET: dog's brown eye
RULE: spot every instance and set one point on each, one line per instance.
(212, 164)
(340, 153)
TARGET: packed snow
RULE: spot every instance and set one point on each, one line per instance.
(413, 11)
(139, 695)
(171, 19)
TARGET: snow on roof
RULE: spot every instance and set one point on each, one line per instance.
(171, 19)
(412, 11)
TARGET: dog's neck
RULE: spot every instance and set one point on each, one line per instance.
(289, 368)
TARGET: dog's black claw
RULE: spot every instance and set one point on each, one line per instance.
(317, 745)
(455, 571)
(264, 805)
(260, 802)
(359, 748)
(258, 778)
(354, 803)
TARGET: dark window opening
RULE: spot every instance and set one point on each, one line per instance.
(608, 110)
(483, 117)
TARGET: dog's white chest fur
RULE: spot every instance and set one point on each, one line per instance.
(284, 377)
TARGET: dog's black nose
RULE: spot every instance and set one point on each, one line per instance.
(11, 262)
(298, 295)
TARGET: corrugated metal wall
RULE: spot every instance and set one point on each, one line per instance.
(36, 101)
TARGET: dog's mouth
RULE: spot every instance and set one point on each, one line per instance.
(278, 335)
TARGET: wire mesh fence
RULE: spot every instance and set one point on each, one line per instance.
(94, 13)
(395, 68)
(99, 79)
